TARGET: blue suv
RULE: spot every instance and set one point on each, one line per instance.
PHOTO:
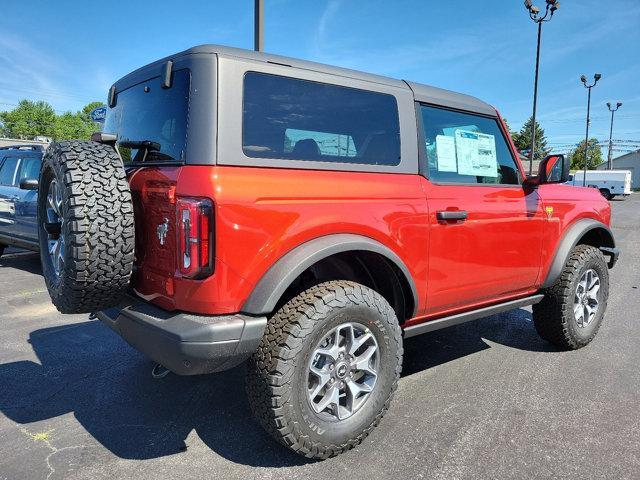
(19, 171)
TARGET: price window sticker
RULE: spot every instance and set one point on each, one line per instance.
(476, 154)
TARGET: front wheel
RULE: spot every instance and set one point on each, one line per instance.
(572, 309)
(326, 369)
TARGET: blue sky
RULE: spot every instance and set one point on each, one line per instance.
(68, 53)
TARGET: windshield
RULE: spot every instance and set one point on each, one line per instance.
(147, 114)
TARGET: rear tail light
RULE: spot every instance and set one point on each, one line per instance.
(195, 237)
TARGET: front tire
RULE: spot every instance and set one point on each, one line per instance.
(572, 310)
(326, 369)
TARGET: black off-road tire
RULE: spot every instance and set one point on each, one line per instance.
(97, 224)
(553, 317)
(277, 372)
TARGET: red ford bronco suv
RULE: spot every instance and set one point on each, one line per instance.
(244, 206)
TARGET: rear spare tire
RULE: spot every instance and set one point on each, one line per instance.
(85, 226)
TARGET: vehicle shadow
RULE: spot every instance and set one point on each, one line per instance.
(512, 329)
(25, 260)
(87, 370)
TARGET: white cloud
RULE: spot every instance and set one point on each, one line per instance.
(33, 73)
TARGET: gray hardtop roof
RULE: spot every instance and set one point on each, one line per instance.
(422, 93)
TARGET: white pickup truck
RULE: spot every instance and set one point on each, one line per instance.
(609, 182)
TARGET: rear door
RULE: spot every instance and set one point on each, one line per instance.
(148, 112)
(8, 194)
(486, 227)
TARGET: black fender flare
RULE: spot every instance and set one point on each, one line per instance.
(276, 280)
(571, 238)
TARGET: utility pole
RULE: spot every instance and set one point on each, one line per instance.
(612, 110)
(534, 13)
(258, 26)
(583, 79)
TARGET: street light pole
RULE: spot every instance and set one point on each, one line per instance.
(258, 26)
(596, 77)
(534, 13)
(612, 110)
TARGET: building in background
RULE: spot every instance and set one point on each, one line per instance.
(629, 161)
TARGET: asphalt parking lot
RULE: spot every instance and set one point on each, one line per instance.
(487, 399)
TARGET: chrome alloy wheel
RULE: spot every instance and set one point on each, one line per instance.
(343, 370)
(586, 299)
(53, 226)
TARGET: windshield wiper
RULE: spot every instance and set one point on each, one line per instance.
(146, 149)
(148, 145)
(154, 155)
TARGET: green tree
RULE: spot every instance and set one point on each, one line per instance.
(77, 125)
(71, 126)
(522, 140)
(594, 157)
(28, 119)
(511, 132)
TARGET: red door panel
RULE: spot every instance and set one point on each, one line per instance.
(494, 252)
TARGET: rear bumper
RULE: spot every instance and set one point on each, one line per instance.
(186, 344)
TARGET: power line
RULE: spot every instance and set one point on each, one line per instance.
(16, 105)
(45, 92)
(577, 119)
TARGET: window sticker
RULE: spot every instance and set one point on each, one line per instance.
(446, 153)
(476, 154)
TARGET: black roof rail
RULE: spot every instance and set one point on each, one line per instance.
(35, 148)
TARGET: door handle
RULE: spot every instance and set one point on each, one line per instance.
(446, 215)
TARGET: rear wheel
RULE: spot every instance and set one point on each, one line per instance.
(572, 310)
(326, 369)
(85, 226)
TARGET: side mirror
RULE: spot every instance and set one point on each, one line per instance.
(29, 184)
(554, 169)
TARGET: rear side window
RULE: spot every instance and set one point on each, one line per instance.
(8, 171)
(288, 118)
(466, 148)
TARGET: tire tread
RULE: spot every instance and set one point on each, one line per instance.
(271, 369)
(99, 230)
(551, 316)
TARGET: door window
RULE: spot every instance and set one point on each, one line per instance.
(466, 148)
(8, 171)
(29, 169)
